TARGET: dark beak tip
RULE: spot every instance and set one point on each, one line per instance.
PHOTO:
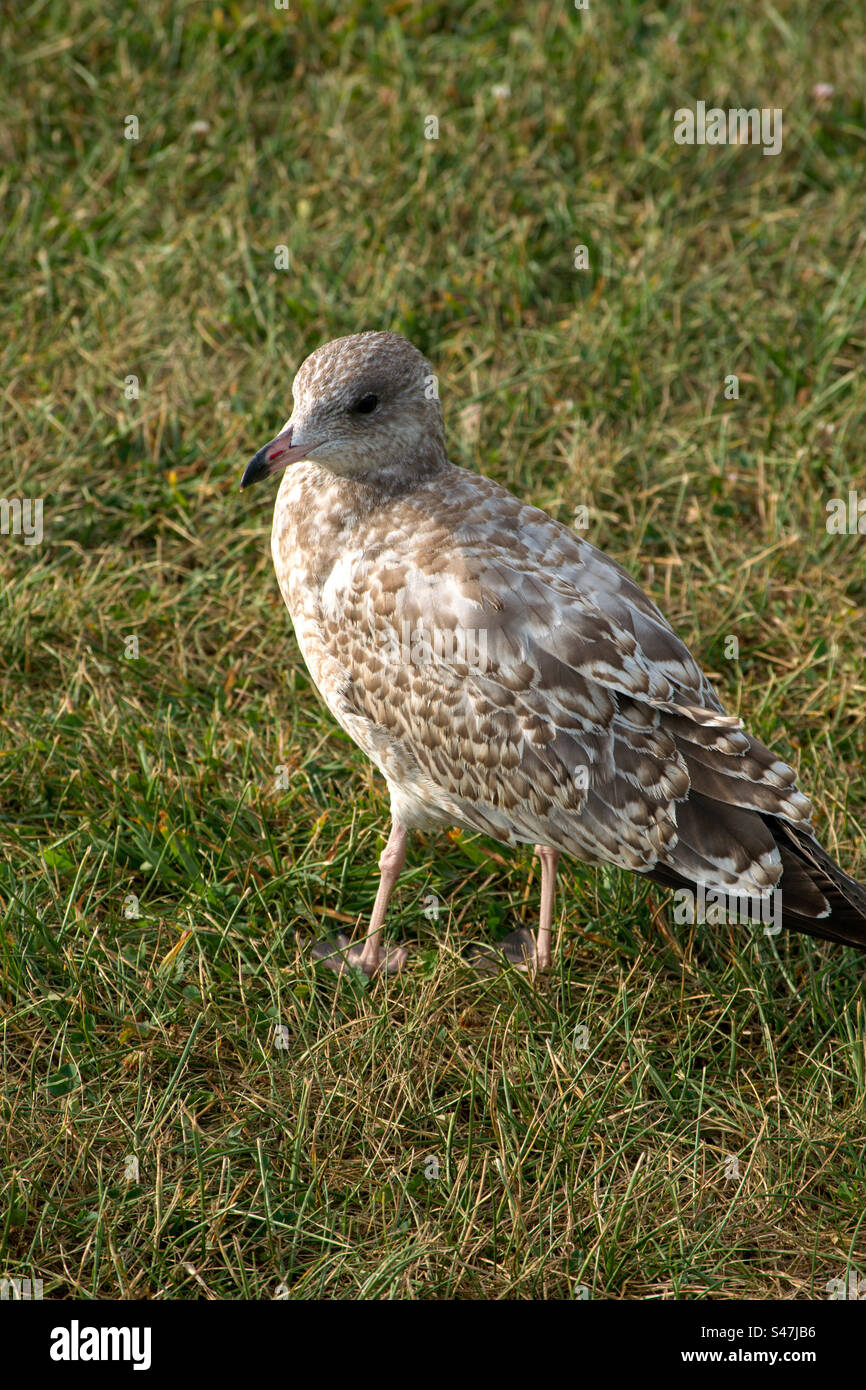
(256, 469)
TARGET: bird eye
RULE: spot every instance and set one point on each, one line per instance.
(366, 404)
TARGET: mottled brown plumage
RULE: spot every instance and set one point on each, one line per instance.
(502, 673)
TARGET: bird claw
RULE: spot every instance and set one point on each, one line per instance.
(518, 948)
(339, 954)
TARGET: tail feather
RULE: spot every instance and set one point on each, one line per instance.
(818, 898)
(846, 898)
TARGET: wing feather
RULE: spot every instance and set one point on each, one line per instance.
(507, 676)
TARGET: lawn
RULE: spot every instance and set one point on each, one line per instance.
(190, 1109)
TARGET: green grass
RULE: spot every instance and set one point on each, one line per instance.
(304, 1160)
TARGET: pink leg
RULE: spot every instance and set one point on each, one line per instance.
(368, 953)
(520, 948)
(549, 860)
(391, 862)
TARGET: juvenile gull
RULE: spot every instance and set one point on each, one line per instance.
(507, 677)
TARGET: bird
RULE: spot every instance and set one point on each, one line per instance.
(507, 677)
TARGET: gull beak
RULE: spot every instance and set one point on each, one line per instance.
(274, 457)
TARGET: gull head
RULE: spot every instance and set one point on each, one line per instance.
(365, 406)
